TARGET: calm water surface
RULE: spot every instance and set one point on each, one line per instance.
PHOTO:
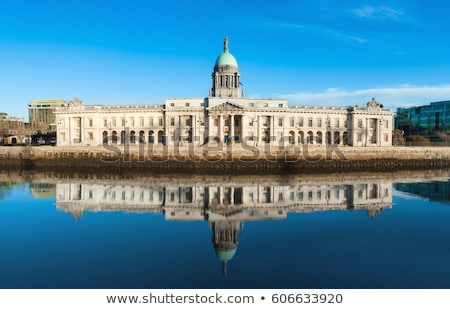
(349, 231)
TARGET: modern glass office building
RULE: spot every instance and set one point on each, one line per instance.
(428, 120)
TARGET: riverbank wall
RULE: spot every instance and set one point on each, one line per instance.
(226, 160)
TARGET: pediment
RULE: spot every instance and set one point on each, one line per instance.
(227, 107)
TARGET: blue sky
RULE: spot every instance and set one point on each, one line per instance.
(312, 52)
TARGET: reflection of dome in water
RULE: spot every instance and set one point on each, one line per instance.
(225, 240)
(225, 256)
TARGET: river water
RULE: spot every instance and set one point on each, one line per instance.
(184, 231)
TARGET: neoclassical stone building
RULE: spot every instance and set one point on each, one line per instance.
(224, 117)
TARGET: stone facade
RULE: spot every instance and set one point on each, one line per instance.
(224, 117)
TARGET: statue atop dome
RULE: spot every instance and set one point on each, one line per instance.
(225, 45)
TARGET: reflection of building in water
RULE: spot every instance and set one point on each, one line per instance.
(435, 191)
(226, 206)
(42, 189)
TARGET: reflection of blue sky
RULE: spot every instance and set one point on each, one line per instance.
(406, 246)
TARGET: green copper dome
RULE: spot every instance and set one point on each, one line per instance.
(226, 58)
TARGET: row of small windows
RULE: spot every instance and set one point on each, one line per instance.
(265, 122)
(371, 192)
(186, 104)
(123, 122)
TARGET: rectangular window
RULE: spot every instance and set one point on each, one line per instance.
(300, 122)
(132, 121)
(386, 124)
(91, 136)
(141, 122)
(123, 122)
(280, 105)
(187, 104)
(188, 121)
(172, 121)
(266, 105)
(250, 124)
(386, 137)
(252, 104)
(91, 123)
(280, 122)
(360, 123)
(105, 123)
(319, 122)
(150, 122)
(172, 104)
(337, 123)
(359, 137)
(160, 122)
(360, 193)
(216, 122)
(291, 122)
(310, 122)
(114, 122)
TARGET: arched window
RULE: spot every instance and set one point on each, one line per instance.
(337, 138)
(328, 138)
(310, 137)
(319, 137)
(291, 137)
(161, 137)
(114, 137)
(345, 138)
(151, 138)
(301, 137)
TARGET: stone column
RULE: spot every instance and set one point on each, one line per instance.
(232, 127)
(210, 125)
(70, 131)
(272, 129)
(258, 129)
(81, 130)
(244, 120)
(220, 133)
(367, 132)
(194, 129)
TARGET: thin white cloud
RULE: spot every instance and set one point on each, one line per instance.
(382, 12)
(403, 96)
(323, 30)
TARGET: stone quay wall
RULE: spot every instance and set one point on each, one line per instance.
(229, 159)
